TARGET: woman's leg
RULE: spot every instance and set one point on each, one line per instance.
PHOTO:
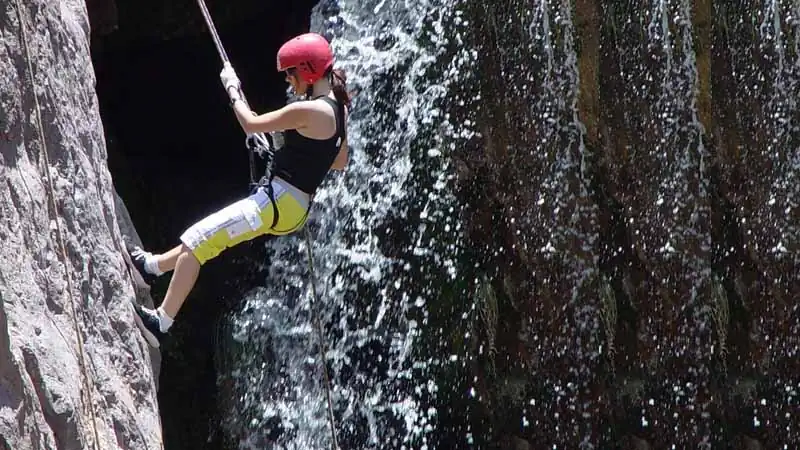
(156, 323)
(167, 260)
(187, 267)
(149, 265)
(203, 241)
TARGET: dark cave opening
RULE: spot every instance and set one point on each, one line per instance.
(176, 154)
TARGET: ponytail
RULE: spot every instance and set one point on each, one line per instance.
(338, 80)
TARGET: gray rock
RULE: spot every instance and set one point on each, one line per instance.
(74, 370)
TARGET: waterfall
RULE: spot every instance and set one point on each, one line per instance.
(385, 246)
(492, 273)
(548, 291)
(760, 121)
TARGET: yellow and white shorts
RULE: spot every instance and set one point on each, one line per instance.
(247, 219)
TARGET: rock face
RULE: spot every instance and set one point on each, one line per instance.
(74, 370)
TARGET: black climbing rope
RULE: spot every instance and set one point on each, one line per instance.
(322, 350)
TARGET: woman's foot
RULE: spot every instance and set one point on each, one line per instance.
(139, 259)
(149, 324)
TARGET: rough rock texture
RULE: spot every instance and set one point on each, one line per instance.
(74, 370)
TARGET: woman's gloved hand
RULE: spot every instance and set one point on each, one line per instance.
(231, 82)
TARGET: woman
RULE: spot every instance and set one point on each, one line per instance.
(314, 143)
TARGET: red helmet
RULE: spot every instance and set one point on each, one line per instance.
(309, 54)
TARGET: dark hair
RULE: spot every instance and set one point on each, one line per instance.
(338, 80)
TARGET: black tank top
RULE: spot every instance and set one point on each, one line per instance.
(303, 161)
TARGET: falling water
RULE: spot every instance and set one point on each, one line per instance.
(760, 161)
(385, 245)
(489, 273)
(657, 175)
(680, 254)
(538, 309)
(772, 228)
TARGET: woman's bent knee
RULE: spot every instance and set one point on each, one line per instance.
(211, 236)
(188, 254)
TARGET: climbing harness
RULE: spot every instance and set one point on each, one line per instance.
(88, 401)
(258, 143)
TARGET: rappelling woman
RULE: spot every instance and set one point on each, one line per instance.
(315, 141)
